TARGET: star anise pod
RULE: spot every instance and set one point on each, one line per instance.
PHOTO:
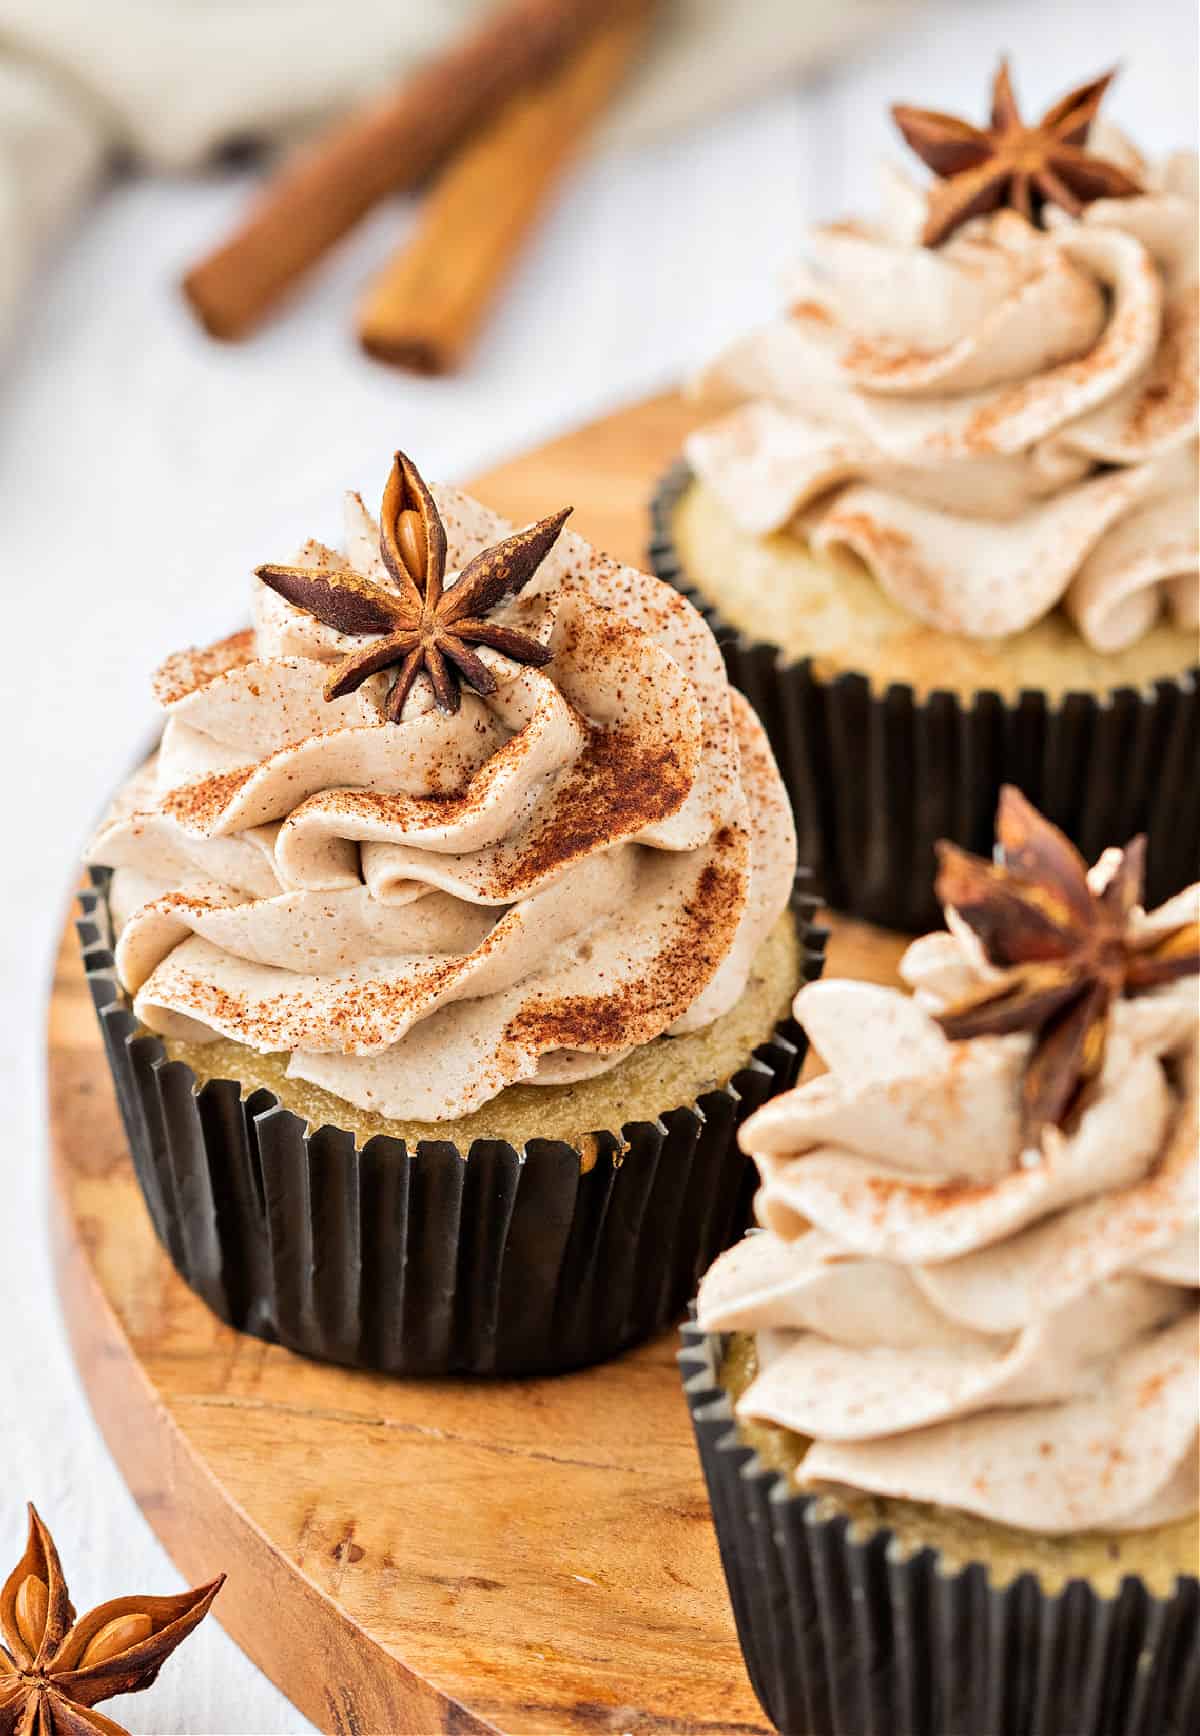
(54, 1670)
(1009, 163)
(1066, 952)
(423, 626)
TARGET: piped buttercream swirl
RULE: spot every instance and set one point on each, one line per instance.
(948, 1318)
(994, 427)
(422, 913)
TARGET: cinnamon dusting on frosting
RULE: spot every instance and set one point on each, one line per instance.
(876, 358)
(601, 1023)
(199, 805)
(615, 789)
(1003, 430)
(1166, 398)
(419, 904)
(940, 1321)
(812, 310)
(185, 671)
(1054, 391)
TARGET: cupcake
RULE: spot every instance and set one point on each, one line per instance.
(947, 530)
(946, 1397)
(443, 944)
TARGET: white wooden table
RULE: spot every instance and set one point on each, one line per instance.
(144, 470)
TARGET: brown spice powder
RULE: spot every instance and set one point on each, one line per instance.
(617, 788)
(874, 357)
(1168, 395)
(185, 671)
(815, 311)
(200, 805)
(1121, 332)
(604, 1023)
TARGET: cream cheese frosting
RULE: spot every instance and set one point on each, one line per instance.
(995, 427)
(949, 1318)
(424, 912)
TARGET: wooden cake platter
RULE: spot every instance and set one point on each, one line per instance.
(533, 1558)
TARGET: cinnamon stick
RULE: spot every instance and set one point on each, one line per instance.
(426, 307)
(392, 145)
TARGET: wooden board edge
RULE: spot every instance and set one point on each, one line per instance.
(343, 1681)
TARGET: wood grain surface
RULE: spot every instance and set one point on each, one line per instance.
(526, 1557)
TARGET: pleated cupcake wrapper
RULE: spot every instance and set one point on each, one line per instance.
(843, 1635)
(877, 777)
(432, 1261)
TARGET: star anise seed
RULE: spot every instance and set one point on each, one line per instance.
(1008, 163)
(1066, 952)
(422, 625)
(54, 1670)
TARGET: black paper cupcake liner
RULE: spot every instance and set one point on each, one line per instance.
(845, 1636)
(877, 777)
(432, 1261)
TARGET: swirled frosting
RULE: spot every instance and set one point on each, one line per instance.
(425, 912)
(995, 426)
(950, 1319)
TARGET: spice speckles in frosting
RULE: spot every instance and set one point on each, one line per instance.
(946, 1311)
(997, 427)
(422, 903)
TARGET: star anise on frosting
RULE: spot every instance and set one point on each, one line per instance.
(1066, 951)
(54, 1669)
(1009, 163)
(423, 625)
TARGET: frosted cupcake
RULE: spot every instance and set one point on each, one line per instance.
(450, 944)
(961, 1353)
(949, 528)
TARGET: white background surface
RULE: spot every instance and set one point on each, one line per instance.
(143, 470)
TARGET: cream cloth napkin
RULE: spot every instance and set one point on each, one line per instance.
(169, 82)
